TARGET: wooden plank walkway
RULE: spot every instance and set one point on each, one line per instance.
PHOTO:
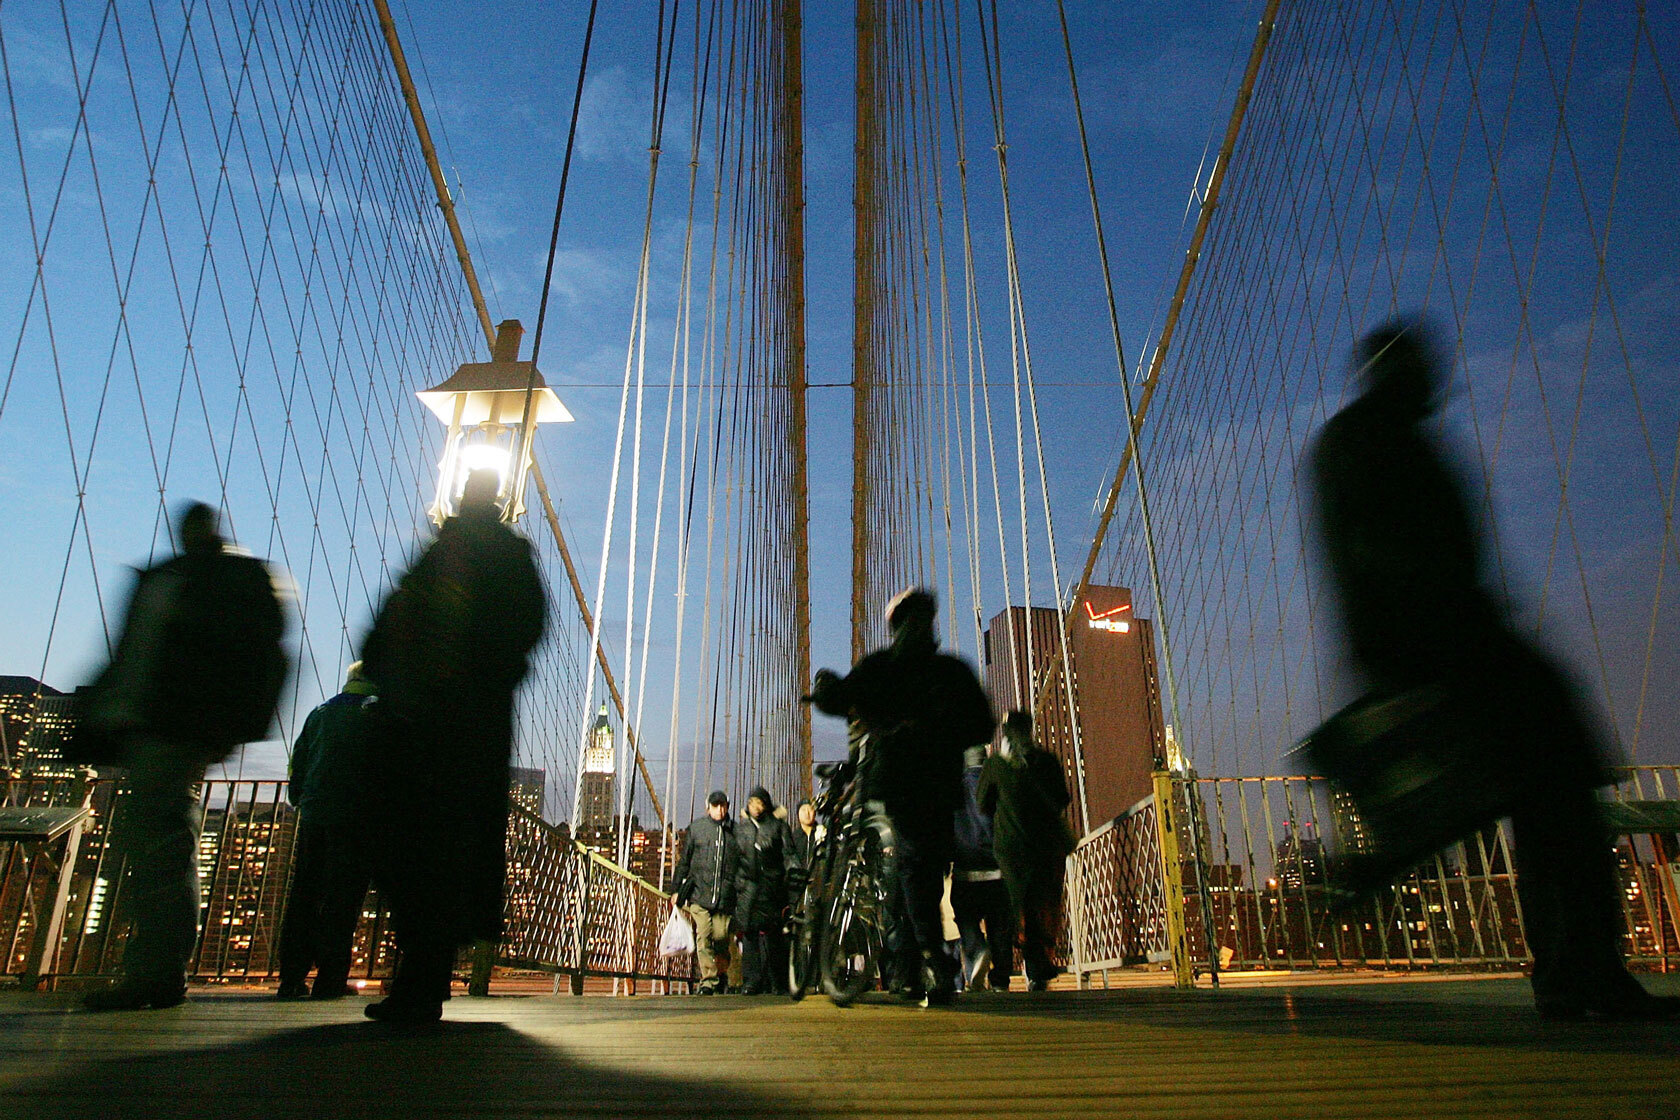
(1464, 1048)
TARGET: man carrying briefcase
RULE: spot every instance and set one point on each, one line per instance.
(1465, 720)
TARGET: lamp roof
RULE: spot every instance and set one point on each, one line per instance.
(494, 392)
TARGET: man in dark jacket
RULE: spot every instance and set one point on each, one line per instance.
(449, 648)
(330, 864)
(705, 887)
(197, 672)
(1398, 532)
(1024, 791)
(979, 899)
(761, 895)
(920, 709)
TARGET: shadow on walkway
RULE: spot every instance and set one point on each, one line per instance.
(1317, 1013)
(366, 1071)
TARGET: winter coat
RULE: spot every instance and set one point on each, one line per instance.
(1396, 520)
(761, 874)
(801, 854)
(329, 770)
(706, 870)
(448, 649)
(1026, 799)
(922, 709)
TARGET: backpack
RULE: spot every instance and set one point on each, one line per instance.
(201, 660)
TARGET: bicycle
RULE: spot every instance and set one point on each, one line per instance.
(839, 927)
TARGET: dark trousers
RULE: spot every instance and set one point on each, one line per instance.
(1566, 882)
(330, 873)
(1035, 893)
(922, 855)
(159, 837)
(419, 874)
(764, 967)
(986, 922)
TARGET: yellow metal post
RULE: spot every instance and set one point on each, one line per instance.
(1172, 879)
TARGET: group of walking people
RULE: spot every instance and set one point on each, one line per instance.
(741, 878)
(428, 710)
(991, 825)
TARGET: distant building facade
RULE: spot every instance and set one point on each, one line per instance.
(1118, 717)
(36, 720)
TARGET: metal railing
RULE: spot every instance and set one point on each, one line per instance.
(568, 911)
(1251, 886)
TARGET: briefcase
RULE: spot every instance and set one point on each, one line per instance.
(1424, 768)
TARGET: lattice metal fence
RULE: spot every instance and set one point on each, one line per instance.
(569, 911)
(1117, 903)
(1256, 855)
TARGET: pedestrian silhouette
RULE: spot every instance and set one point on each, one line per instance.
(761, 899)
(331, 866)
(1464, 719)
(1023, 791)
(196, 673)
(705, 886)
(448, 649)
(986, 923)
(921, 709)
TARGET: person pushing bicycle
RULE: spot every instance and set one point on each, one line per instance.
(921, 710)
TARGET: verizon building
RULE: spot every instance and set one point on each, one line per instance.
(1113, 662)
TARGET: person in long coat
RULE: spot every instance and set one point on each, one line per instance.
(1023, 790)
(1405, 559)
(761, 894)
(448, 651)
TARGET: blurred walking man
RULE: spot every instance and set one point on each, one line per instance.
(197, 673)
(1396, 523)
(921, 709)
(448, 649)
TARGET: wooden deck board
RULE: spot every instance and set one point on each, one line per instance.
(1313, 1051)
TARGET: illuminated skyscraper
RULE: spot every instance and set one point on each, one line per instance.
(35, 721)
(595, 802)
(1112, 656)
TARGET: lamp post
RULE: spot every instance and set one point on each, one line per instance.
(492, 409)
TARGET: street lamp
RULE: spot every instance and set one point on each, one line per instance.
(492, 409)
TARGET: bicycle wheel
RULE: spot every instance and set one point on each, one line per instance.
(851, 942)
(803, 940)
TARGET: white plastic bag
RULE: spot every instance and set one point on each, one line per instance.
(678, 936)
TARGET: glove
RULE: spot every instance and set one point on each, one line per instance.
(684, 893)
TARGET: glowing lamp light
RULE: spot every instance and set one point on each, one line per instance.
(485, 405)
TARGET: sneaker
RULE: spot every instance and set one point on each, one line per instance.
(404, 1012)
(292, 990)
(978, 969)
(135, 997)
(938, 983)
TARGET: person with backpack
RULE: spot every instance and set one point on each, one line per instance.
(197, 673)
